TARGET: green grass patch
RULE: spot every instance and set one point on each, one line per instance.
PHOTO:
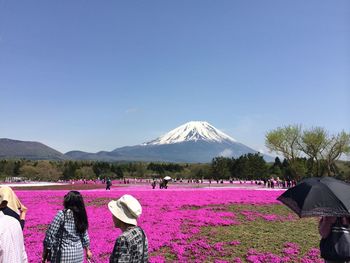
(262, 235)
(166, 253)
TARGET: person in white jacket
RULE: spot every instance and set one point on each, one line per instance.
(11, 240)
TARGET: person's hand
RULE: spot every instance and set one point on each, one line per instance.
(22, 216)
(45, 255)
(88, 254)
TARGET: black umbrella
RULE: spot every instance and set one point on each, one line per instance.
(318, 196)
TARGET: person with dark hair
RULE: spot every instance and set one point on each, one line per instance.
(67, 236)
(11, 205)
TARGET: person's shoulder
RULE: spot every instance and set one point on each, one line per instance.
(132, 234)
(123, 240)
(9, 221)
(8, 211)
(139, 230)
(60, 214)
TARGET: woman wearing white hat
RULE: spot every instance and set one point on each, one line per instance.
(132, 244)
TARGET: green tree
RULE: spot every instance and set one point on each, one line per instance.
(250, 167)
(85, 172)
(156, 167)
(9, 167)
(336, 146)
(117, 169)
(131, 169)
(69, 170)
(29, 171)
(47, 171)
(312, 143)
(285, 141)
(101, 168)
(220, 167)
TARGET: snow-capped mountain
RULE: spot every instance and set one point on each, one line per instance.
(192, 131)
(192, 142)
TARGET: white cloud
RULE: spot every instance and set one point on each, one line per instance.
(226, 153)
(261, 151)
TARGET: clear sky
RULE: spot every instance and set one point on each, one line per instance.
(97, 75)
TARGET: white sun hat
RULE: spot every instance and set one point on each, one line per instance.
(126, 209)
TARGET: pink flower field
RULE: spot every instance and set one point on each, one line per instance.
(172, 219)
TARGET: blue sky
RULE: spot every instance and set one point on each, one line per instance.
(88, 75)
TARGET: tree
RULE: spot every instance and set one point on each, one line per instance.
(250, 167)
(220, 167)
(47, 171)
(29, 172)
(277, 162)
(101, 168)
(131, 168)
(117, 169)
(8, 167)
(285, 141)
(336, 146)
(69, 170)
(312, 143)
(156, 167)
(85, 172)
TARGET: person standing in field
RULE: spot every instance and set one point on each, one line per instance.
(108, 184)
(67, 236)
(11, 205)
(132, 245)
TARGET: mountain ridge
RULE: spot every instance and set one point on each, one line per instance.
(193, 142)
(10, 148)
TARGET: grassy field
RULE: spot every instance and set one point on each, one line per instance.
(188, 224)
(265, 236)
(255, 232)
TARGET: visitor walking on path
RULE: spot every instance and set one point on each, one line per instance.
(108, 184)
(132, 245)
(11, 205)
(67, 236)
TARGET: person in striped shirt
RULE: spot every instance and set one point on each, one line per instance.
(132, 245)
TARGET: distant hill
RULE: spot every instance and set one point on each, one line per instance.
(192, 142)
(10, 149)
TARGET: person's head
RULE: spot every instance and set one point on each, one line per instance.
(126, 210)
(9, 199)
(74, 201)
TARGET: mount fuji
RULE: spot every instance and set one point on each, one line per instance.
(192, 142)
(193, 131)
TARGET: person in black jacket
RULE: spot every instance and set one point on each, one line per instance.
(108, 184)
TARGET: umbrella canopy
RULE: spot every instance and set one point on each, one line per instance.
(318, 196)
(167, 178)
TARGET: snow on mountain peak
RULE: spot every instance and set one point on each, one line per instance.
(192, 131)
